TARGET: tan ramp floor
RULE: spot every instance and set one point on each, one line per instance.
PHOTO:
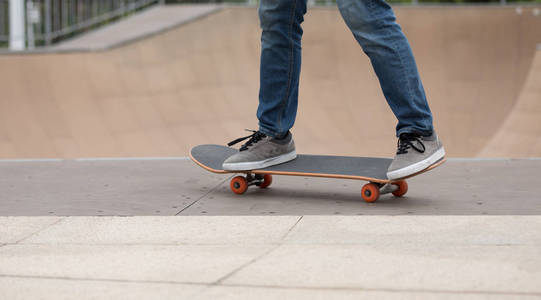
(179, 187)
(198, 83)
(520, 134)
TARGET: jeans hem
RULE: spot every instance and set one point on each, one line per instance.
(415, 131)
(269, 132)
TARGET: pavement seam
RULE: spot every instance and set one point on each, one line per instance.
(317, 288)
(257, 258)
(291, 229)
(100, 279)
(413, 244)
(204, 195)
(243, 266)
(390, 290)
(91, 244)
(60, 219)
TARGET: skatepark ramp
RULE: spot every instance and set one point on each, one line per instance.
(198, 83)
(520, 134)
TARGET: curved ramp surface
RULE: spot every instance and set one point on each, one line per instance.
(520, 135)
(198, 84)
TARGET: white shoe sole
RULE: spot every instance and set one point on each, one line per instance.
(418, 166)
(254, 165)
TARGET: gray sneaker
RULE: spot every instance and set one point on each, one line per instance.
(260, 151)
(415, 153)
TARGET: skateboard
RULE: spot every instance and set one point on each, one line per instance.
(371, 169)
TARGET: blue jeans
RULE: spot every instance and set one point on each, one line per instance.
(374, 26)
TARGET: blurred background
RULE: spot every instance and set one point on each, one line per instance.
(125, 78)
(50, 21)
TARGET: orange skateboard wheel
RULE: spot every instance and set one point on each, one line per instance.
(370, 192)
(402, 188)
(267, 180)
(238, 185)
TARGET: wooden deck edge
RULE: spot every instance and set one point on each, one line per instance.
(323, 175)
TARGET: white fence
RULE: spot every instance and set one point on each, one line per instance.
(45, 21)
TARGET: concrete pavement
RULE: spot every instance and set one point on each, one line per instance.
(176, 186)
(470, 229)
(255, 257)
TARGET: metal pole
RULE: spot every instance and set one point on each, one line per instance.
(78, 5)
(2, 18)
(73, 13)
(30, 19)
(16, 25)
(64, 14)
(48, 22)
(94, 9)
(55, 16)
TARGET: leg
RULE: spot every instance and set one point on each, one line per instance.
(280, 64)
(279, 87)
(374, 26)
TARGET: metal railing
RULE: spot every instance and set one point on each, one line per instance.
(47, 21)
(4, 22)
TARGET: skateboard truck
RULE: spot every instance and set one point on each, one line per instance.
(388, 188)
(370, 191)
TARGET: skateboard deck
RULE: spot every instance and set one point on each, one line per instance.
(371, 169)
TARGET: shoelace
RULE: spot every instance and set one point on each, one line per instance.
(406, 141)
(255, 137)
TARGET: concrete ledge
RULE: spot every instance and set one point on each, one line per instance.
(142, 25)
(323, 257)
